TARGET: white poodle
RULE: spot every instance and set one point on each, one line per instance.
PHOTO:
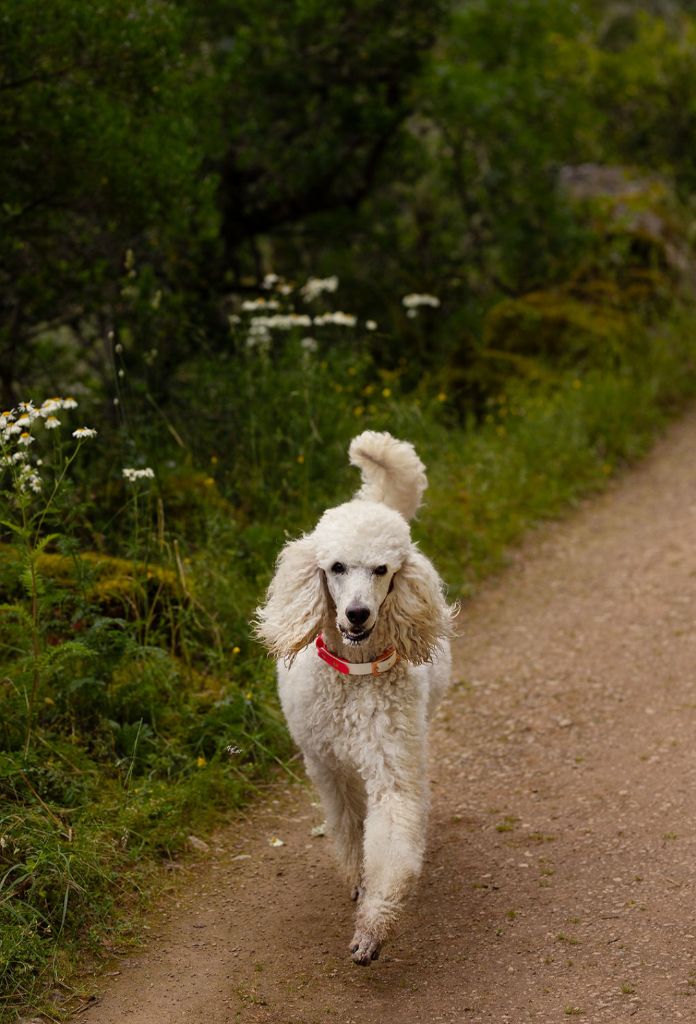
(358, 617)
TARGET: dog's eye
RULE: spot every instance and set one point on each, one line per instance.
(338, 568)
(381, 570)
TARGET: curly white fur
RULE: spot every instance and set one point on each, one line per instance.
(361, 580)
(391, 470)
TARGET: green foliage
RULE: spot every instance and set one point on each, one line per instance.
(101, 152)
(643, 76)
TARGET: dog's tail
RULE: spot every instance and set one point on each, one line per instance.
(391, 471)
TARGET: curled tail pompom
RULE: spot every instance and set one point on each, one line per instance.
(391, 471)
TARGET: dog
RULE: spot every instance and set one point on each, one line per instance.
(358, 618)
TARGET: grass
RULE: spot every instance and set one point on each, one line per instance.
(155, 714)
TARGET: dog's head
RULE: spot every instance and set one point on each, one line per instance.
(358, 573)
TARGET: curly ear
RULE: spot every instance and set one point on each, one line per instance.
(418, 616)
(295, 603)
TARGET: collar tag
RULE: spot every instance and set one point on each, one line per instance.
(382, 664)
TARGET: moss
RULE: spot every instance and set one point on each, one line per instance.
(114, 586)
(556, 325)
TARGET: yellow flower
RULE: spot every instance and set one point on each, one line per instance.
(248, 695)
(201, 762)
(386, 392)
(214, 459)
(236, 650)
(442, 397)
(209, 482)
(300, 458)
(358, 410)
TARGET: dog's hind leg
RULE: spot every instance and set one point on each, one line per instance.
(344, 802)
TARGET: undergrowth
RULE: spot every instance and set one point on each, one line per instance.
(134, 708)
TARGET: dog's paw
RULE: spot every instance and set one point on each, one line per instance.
(365, 947)
(357, 893)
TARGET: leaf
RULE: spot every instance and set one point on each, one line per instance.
(19, 530)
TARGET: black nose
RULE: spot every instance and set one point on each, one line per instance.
(357, 615)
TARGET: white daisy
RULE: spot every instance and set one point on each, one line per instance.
(416, 299)
(138, 474)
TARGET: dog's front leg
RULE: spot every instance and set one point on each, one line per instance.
(394, 844)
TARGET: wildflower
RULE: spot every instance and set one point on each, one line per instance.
(118, 348)
(84, 432)
(371, 325)
(250, 305)
(69, 403)
(26, 439)
(138, 474)
(270, 281)
(386, 393)
(18, 456)
(282, 321)
(236, 650)
(275, 841)
(29, 478)
(52, 422)
(341, 319)
(50, 406)
(309, 344)
(23, 421)
(300, 458)
(442, 397)
(315, 286)
(201, 761)
(259, 333)
(12, 428)
(29, 413)
(415, 299)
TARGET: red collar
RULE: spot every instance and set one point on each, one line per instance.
(382, 664)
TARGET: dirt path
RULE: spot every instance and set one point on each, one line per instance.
(560, 877)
